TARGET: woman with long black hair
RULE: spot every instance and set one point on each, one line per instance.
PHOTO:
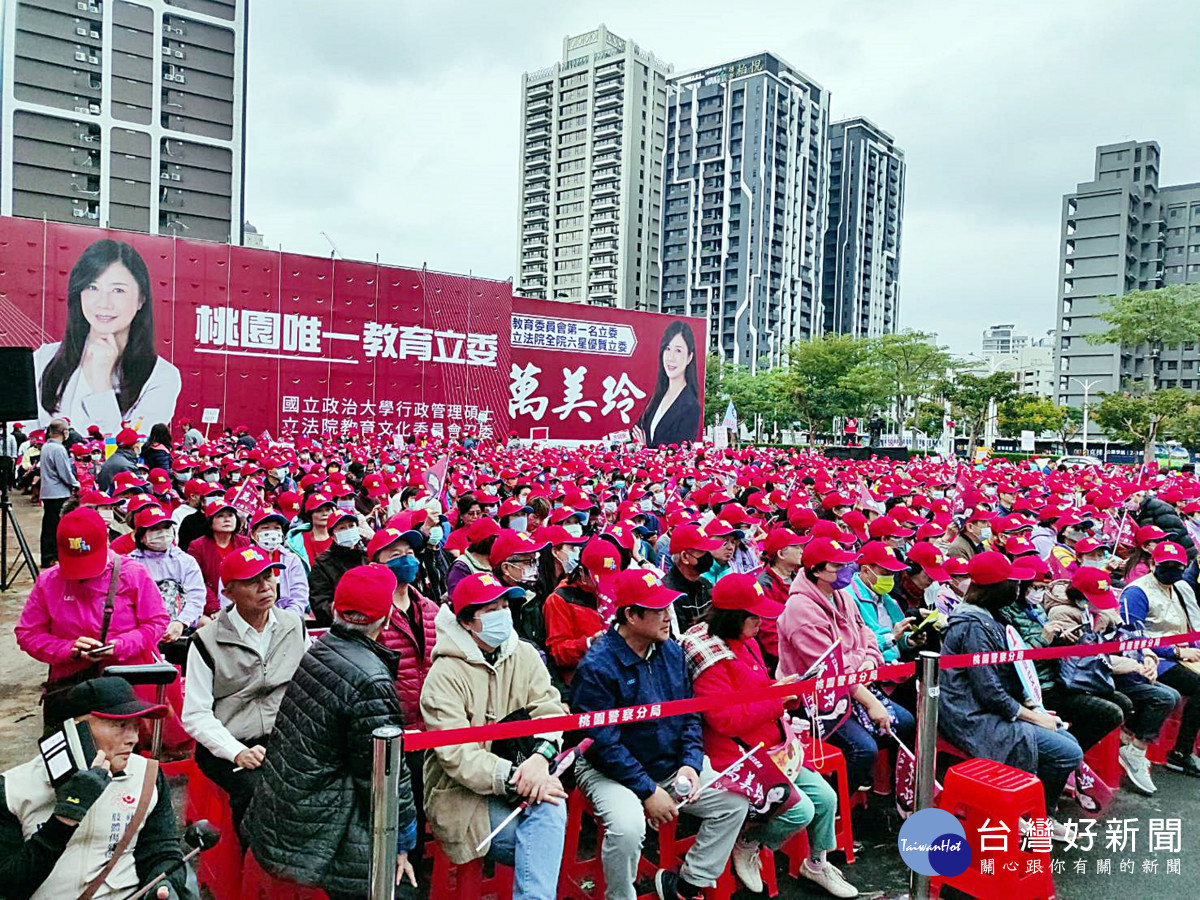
(673, 414)
(105, 371)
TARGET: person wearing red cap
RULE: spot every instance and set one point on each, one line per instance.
(571, 611)
(47, 850)
(1160, 603)
(982, 709)
(515, 558)
(630, 771)
(123, 459)
(479, 536)
(1147, 508)
(267, 528)
(724, 659)
(872, 587)
(483, 672)
(346, 551)
(1070, 529)
(781, 557)
(310, 537)
(239, 665)
(1138, 562)
(817, 616)
(63, 622)
(222, 535)
(691, 548)
(176, 573)
(975, 534)
(308, 821)
(58, 483)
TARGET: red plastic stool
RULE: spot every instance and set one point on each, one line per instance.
(218, 869)
(258, 885)
(980, 790)
(467, 880)
(575, 870)
(796, 850)
(828, 760)
(1104, 760)
(1157, 752)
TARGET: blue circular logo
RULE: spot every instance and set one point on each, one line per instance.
(933, 842)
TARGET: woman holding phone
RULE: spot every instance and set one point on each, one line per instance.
(673, 414)
(105, 370)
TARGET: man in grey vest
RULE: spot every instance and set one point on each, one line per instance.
(238, 667)
(58, 482)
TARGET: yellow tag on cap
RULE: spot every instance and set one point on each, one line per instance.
(488, 578)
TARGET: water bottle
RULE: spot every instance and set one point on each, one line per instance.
(681, 788)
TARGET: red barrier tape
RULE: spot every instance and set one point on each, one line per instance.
(425, 740)
(962, 660)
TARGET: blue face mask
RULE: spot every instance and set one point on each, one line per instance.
(436, 535)
(845, 576)
(405, 568)
(497, 626)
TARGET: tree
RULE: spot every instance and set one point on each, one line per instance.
(815, 383)
(1025, 412)
(1143, 418)
(1185, 427)
(1070, 421)
(1166, 317)
(716, 397)
(971, 397)
(912, 365)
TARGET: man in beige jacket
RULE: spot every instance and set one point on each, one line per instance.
(481, 673)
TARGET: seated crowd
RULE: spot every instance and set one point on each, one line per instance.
(548, 580)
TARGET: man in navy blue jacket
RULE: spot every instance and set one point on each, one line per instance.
(630, 771)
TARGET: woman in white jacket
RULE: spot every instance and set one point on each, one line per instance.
(105, 371)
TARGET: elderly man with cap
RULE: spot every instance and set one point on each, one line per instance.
(176, 573)
(515, 562)
(310, 818)
(982, 708)
(238, 667)
(94, 609)
(692, 549)
(102, 831)
(123, 459)
(483, 672)
(975, 534)
(267, 527)
(631, 769)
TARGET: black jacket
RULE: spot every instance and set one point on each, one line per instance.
(1158, 512)
(324, 576)
(679, 423)
(122, 460)
(156, 456)
(26, 863)
(310, 819)
(696, 600)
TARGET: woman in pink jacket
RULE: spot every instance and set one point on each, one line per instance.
(815, 617)
(67, 621)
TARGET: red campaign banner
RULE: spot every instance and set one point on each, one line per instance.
(581, 372)
(311, 346)
(998, 657)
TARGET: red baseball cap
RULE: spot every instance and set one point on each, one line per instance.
(512, 507)
(743, 592)
(313, 502)
(214, 506)
(643, 587)
(980, 514)
(127, 437)
(1169, 552)
(1018, 545)
(1096, 585)
(96, 497)
(930, 559)
(509, 543)
(600, 558)
(1089, 545)
(1148, 533)
(833, 501)
(150, 517)
(992, 568)
(82, 539)
(956, 566)
(199, 488)
(877, 553)
(781, 538)
(365, 592)
(886, 526)
(830, 531)
(556, 536)
(385, 537)
(476, 590)
(695, 538)
(269, 515)
(823, 550)
(247, 563)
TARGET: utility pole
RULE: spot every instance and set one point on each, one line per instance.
(1087, 384)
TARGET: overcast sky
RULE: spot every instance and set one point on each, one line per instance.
(393, 125)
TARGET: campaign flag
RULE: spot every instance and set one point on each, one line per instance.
(731, 419)
(245, 499)
(1026, 671)
(906, 780)
(266, 436)
(762, 782)
(829, 705)
(1091, 792)
(434, 479)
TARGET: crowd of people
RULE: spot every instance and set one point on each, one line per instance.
(311, 591)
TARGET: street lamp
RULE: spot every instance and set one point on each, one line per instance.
(1087, 385)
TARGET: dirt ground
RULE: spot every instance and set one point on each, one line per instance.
(20, 677)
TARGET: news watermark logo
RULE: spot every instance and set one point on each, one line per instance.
(933, 842)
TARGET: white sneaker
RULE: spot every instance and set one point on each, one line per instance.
(747, 865)
(1058, 832)
(829, 878)
(1137, 768)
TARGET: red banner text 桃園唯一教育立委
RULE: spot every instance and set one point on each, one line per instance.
(140, 329)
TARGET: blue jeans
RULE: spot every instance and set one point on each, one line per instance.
(860, 747)
(1058, 756)
(532, 844)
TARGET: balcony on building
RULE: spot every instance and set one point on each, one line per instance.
(539, 91)
(609, 99)
(608, 115)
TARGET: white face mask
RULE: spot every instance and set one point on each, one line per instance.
(107, 514)
(235, 477)
(491, 510)
(347, 537)
(279, 474)
(345, 503)
(645, 504)
(159, 540)
(270, 539)
(571, 563)
(518, 523)
(660, 497)
(986, 533)
(212, 477)
(938, 495)
(574, 529)
(185, 475)
(610, 508)
(931, 595)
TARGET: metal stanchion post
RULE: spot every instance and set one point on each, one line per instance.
(385, 810)
(927, 715)
(160, 697)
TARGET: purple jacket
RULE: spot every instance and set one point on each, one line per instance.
(178, 577)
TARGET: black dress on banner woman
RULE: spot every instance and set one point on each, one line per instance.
(673, 414)
(105, 371)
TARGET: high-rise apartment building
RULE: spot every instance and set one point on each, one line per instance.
(1122, 232)
(125, 114)
(744, 214)
(861, 277)
(1003, 339)
(590, 174)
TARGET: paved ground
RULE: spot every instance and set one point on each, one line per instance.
(878, 871)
